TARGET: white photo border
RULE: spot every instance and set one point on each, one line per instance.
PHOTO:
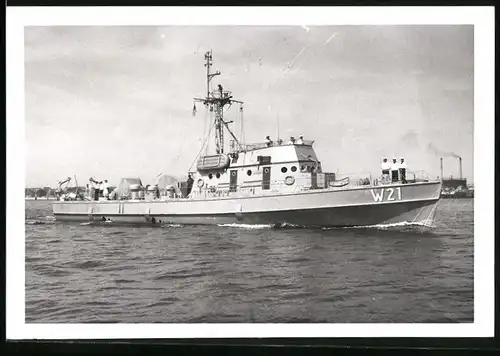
(484, 32)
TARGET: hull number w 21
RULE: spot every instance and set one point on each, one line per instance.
(386, 194)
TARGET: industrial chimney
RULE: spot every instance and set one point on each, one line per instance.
(460, 166)
(441, 168)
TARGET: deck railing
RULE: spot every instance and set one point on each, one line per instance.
(368, 178)
(255, 146)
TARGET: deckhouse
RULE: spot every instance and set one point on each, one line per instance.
(257, 169)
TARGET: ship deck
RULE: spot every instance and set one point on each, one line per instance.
(269, 194)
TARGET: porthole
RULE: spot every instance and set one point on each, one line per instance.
(249, 172)
(293, 169)
(266, 170)
(210, 176)
(218, 175)
(284, 169)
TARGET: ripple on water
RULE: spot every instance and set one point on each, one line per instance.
(113, 273)
(87, 264)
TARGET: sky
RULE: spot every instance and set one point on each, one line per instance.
(112, 102)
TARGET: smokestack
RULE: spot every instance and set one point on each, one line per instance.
(441, 168)
(460, 166)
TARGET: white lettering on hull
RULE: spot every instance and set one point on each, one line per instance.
(388, 193)
(378, 197)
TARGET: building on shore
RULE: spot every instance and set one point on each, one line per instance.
(456, 188)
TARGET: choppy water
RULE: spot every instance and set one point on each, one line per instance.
(86, 273)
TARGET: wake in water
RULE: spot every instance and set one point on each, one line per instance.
(248, 226)
(37, 222)
(137, 225)
(426, 224)
(172, 225)
(293, 226)
(40, 220)
(265, 226)
(389, 226)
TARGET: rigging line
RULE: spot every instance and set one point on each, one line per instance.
(231, 133)
(205, 121)
(328, 41)
(278, 123)
(283, 73)
(294, 60)
(242, 133)
(206, 139)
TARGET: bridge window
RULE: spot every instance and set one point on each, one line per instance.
(284, 169)
(210, 176)
(218, 175)
(249, 172)
(308, 168)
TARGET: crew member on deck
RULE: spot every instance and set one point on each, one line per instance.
(101, 188)
(292, 140)
(105, 189)
(269, 142)
(190, 182)
(402, 170)
(114, 194)
(394, 170)
(300, 141)
(95, 187)
(279, 141)
(386, 167)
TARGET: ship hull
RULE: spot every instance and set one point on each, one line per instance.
(414, 203)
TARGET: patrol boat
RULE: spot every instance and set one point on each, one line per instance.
(271, 183)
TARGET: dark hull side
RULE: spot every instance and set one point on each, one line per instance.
(421, 212)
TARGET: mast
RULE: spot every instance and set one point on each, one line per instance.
(216, 100)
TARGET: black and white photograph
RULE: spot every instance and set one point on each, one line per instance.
(253, 173)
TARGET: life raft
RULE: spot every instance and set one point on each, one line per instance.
(339, 183)
(214, 162)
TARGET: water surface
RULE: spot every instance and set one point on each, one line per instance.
(177, 274)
